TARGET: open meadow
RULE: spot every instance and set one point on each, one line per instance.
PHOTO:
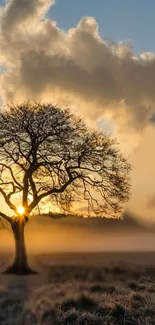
(81, 289)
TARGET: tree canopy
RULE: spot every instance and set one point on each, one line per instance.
(47, 152)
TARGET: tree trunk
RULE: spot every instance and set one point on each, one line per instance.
(20, 264)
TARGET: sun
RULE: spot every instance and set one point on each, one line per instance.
(20, 210)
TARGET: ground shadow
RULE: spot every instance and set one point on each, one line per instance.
(15, 294)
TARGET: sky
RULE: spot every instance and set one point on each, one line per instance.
(98, 57)
(119, 20)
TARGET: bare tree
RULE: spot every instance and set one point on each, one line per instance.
(46, 152)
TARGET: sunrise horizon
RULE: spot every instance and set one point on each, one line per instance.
(77, 175)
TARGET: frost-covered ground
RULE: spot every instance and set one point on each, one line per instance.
(81, 289)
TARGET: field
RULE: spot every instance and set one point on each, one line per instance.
(81, 289)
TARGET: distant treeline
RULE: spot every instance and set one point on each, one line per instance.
(127, 221)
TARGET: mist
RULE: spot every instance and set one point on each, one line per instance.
(44, 235)
(69, 238)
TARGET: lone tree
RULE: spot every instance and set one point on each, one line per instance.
(47, 152)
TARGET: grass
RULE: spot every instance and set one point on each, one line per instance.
(82, 295)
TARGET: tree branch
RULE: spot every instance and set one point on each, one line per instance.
(50, 192)
(7, 200)
(4, 216)
(12, 175)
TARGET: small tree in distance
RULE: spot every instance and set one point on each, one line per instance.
(47, 152)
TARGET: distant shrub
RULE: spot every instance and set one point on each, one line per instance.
(70, 317)
(97, 288)
(135, 286)
(82, 303)
(89, 319)
(49, 315)
(138, 297)
(118, 311)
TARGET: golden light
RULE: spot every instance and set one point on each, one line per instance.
(20, 210)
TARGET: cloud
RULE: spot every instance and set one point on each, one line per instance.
(17, 12)
(151, 202)
(103, 80)
(152, 118)
(76, 67)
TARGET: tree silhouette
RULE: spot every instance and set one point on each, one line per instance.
(46, 152)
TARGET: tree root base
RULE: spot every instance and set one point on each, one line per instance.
(24, 270)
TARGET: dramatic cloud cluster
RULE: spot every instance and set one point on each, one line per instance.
(76, 68)
(101, 79)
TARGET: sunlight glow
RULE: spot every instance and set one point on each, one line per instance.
(20, 210)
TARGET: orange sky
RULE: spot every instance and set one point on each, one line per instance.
(100, 80)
